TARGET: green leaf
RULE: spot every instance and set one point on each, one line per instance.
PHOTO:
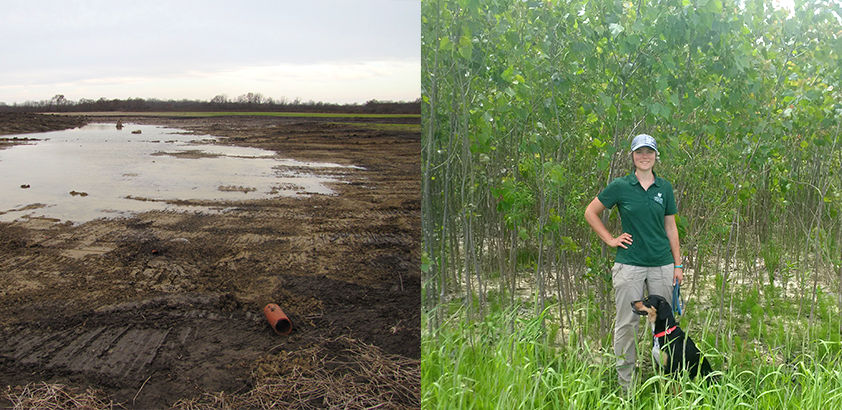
(744, 193)
(715, 6)
(602, 164)
(813, 95)
(638, 26)
(605, 100)
(666, 112)
(558, 80)
(509, 74)
(445, 44)
(466, 49)
(669, 62)
(615, 29)
(791, 26)
(426, 263)
(522, 233)
(568, 244)
(633, 40)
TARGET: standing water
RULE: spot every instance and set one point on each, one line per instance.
(99, 171)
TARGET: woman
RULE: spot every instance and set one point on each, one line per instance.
(648, 249)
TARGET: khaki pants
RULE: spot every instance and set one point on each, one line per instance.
(629, 281)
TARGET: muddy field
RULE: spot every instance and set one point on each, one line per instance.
(16, 123)
(167, 306)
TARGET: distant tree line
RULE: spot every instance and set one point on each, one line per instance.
(245, 102)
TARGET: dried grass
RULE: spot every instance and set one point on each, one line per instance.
(339, 373)
(44, 396)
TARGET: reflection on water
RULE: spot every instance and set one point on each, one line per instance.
(98, 171)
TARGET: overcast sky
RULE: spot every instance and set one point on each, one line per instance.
(337, 51)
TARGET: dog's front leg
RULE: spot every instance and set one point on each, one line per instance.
(656, 356)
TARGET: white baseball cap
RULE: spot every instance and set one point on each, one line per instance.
(644, 140)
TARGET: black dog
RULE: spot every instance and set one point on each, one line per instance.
(678, 351)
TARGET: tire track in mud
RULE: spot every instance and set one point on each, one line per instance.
(363, 238)
(345, 229)
(125, 345)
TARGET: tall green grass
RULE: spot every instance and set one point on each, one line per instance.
(508, 362)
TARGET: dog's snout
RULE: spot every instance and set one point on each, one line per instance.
(638, 306)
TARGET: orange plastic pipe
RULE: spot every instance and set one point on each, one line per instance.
(277, 319)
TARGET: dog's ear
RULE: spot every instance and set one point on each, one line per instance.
(664, 309)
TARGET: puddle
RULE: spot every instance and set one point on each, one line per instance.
(98, 171)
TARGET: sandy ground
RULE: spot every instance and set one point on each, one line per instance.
(166, 306)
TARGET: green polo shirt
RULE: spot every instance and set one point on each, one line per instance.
(642, 213)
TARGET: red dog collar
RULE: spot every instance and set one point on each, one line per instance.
(666, 332)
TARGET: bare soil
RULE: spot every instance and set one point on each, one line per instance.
(21, 123)
(167, 306)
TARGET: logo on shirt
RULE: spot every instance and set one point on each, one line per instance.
(659, 198)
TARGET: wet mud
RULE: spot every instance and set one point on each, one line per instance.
(165, 306)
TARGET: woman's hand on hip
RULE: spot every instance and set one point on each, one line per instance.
(624, 239)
